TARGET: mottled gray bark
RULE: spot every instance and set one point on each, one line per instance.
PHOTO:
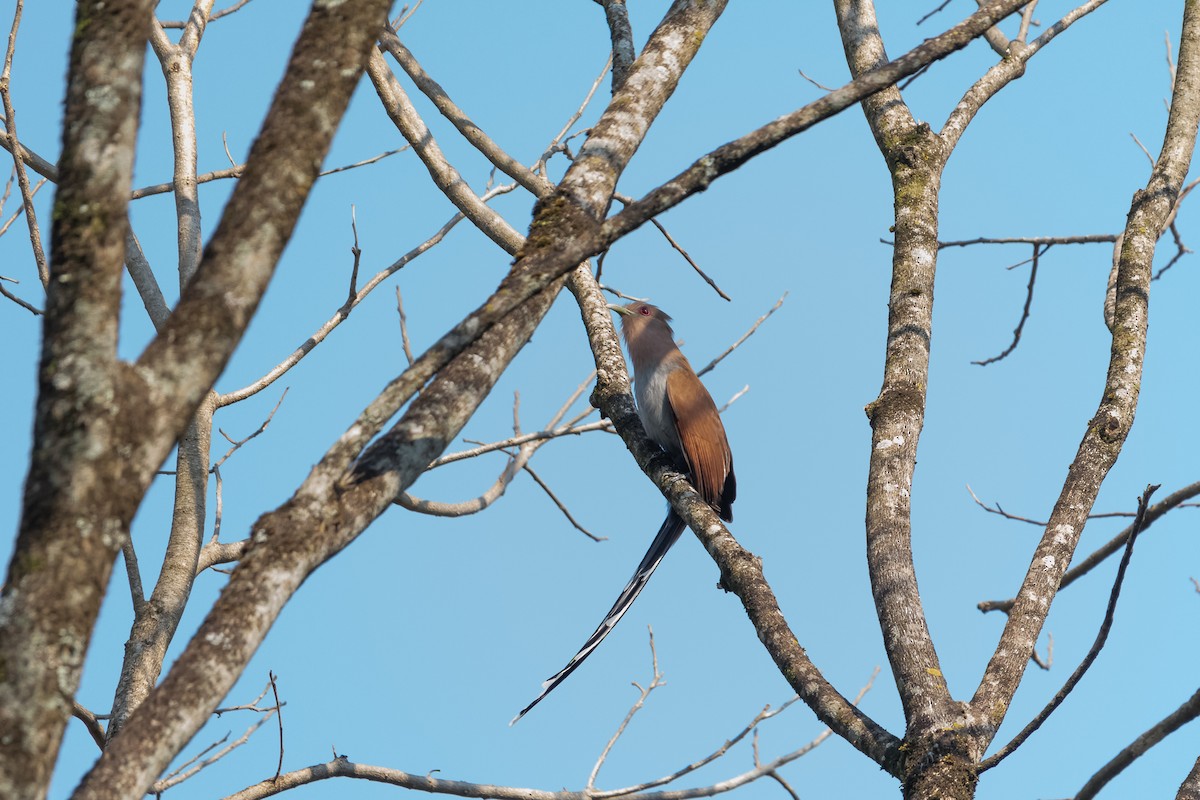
(1105, 433)
(103, 428)
(74, 520)
(945, 739)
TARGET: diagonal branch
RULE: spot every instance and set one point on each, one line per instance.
(741, 571)
(1090, 657)
(1173, 500)
(1187, 711)
(700, 175)
(1108, 428)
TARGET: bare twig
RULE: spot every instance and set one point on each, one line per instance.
(557, 142)
(1146, 152)
(355, 251)
(32, 309)
(1049, 662)
(820, 86)
(90, 721)
(940, 7)
(736, 396)
(365, 162)
(712, 364)
(8, 223)
(655, 682)
(1037, 251)
(561, 507)
(343, 312)
(404, 341)
(342, 767)
(193, 766)
(238, 443)
(180, 23)
(406, 13)
(10, 130)
(689, 260)
(279, 718)
(1174, 500)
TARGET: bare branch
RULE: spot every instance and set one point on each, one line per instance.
(343, 312)
(561, 507)
(1186, 712)
(1037, 251)
(10, 132)
(514, 169)
(655, 682)
(401, 111)
(1106, 431)
(1045, 241)
(729, 157)
(1176, 499)
(1097, 645)
(90, 721)
(710, 366)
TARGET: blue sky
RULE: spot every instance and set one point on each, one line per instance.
(415, 647)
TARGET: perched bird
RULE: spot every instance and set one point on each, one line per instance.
(680, 416)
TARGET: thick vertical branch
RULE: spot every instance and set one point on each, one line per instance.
(915, 158)
(1108, 428)
(155, 625)
(176, 62)
(72, 524)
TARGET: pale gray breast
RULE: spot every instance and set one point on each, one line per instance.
(650, 389)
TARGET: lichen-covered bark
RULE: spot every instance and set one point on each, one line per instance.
(102, 428)
(915, 157)
(945, 740)
(1106, 431)
(73, 519)
(616, 136)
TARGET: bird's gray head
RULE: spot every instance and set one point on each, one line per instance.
(638, 318)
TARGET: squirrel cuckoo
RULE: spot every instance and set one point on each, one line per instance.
(680, 416)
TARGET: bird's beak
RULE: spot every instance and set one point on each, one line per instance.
(622, 310)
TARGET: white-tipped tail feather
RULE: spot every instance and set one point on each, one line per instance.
(668, 534)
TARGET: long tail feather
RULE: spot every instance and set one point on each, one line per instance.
(668, 534)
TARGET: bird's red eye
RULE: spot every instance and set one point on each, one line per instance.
(644, 310)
